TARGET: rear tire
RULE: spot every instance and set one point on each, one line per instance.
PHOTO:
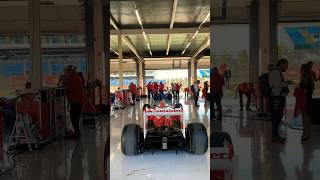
(196, 138)
(131, 140)
(145, 106)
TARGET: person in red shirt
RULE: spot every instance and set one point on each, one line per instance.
(75, 95)
(245, 89)
(149, 88)
(161, 88)
(133, 90)
(155, 87)
(217, 84)
(177, 90)
(186, 92)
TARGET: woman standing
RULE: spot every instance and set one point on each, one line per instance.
(304, 97)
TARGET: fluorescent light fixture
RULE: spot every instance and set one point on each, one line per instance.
(144, 35)
(195, 34)
(205, 19)
(138, 16)
(188, 45)
(114, 51)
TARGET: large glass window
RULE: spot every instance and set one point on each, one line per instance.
(299, 43)
(230, 50)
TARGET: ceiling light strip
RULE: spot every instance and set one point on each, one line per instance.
(195, 34)
(140, 22)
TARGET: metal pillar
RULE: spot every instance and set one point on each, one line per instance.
(273, 31)
(97, 43)
(254, 42)
(140, 74)
(264, 35)
(99, 47)
(35, 43)
(193, 70)
(144, 78)
(120, 61)
(189, 74)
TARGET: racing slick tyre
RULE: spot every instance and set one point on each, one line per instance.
(131, 140)
(178, 105)
(146, 106)
(196, 138)
(218, 139)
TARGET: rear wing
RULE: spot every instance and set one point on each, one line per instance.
(167, 111)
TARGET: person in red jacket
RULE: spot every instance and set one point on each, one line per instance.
(149, 88)
(161, 88)
(133, 89)
(245, 89)
(75, 95)
(177, 90)
(218, 82)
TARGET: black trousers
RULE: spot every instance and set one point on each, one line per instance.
(75, 111)
(216, 100)
(278, 104)
(133, 98)
(248, 95)
(149, 93)
(196, 97)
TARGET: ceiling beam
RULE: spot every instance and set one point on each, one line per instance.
(127, 32)
(125, 39)
(173, 15)
(202, 47)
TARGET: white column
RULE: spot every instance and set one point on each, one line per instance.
(189, 74)
(264, 35)
(120, 61)
(192, 61)
(140, 82)
(99, 55)
(35, 43)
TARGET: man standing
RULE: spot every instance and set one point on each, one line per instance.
(177, 89)
(227, 77)
(161, 88)
(133, 90)
(279, 92)
(149, 88)
(217, 92)
(196, 88)
(75, 95)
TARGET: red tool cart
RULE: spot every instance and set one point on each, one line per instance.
(33, 118)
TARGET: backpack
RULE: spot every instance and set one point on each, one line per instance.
(264, 86)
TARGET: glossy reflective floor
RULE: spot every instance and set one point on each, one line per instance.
(259, 159)
(80, 159)
(161, 165)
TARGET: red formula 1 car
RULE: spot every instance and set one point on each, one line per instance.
(222, 158)
(165, 129)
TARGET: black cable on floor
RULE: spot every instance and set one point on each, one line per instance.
(263, 119)
(13, 160)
